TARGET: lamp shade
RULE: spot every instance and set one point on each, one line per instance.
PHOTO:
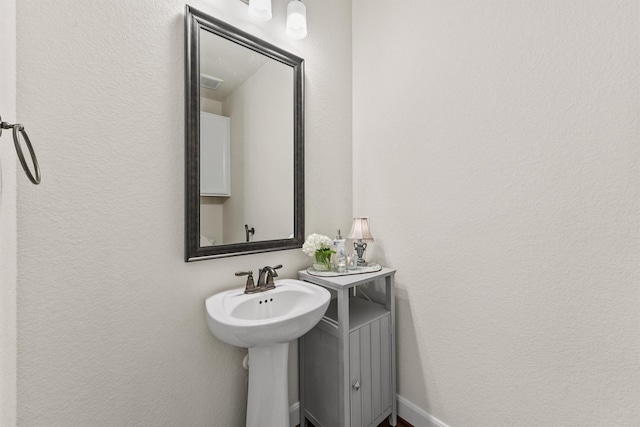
(296, 20)
(260, 9)
(360, 229)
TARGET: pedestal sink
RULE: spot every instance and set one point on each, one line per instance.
(264, 323)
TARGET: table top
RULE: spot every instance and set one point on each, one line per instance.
(348, 281)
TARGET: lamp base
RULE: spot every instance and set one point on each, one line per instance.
(360, 246)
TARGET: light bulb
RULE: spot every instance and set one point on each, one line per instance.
(296, 20)
(260, 9)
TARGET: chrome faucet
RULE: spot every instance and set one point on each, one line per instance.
(265, 278)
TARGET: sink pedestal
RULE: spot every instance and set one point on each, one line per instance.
(268, 401)
(265, 322)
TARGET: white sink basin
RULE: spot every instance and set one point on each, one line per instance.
(276, 316)
(265, 322)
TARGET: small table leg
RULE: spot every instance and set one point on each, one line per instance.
(390, 304)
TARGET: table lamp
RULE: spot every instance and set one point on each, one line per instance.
(360, 232)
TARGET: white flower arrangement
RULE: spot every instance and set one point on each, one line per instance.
(320, 247)
(316, 242)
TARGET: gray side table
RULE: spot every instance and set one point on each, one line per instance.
(347, 362)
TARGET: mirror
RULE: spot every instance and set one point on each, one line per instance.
(244, 159)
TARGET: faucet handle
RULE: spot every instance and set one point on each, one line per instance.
(250, 286)
(244, 273)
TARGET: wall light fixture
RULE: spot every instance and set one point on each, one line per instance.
(296, 20)
(296, 16)
(260, 9)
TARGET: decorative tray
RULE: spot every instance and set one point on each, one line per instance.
(372, 267)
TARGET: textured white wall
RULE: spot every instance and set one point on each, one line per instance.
(111, 327)
(8, 236)
(496, 149)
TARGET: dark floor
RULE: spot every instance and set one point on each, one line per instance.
(401, 423)
(385, 423)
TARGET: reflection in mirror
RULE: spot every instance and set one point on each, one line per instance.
(244, 144)
(246, 103)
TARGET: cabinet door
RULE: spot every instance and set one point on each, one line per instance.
(215, 174)
(354, 378)
(370, 372)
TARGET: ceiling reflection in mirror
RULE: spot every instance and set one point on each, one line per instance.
(245, 135)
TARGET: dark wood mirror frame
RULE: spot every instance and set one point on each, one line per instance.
(194, 22)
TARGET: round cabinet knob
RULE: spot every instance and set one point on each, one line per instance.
(356, 385)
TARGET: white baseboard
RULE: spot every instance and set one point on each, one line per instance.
(294, 414)
(406, 409)
(415, 415)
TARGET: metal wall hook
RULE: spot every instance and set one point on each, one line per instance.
(16, 142)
